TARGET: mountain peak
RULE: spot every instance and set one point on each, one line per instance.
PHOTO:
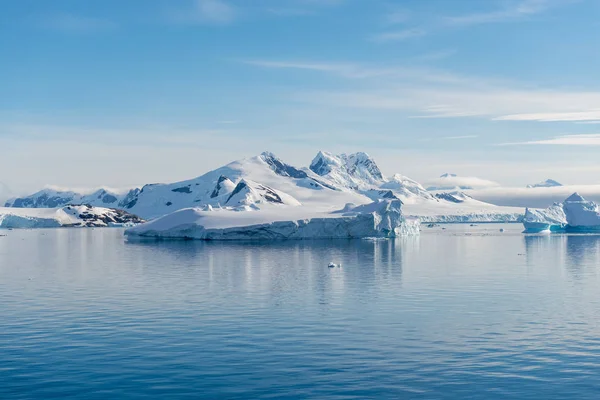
(356, 170)
(575, 197)
(281, 168)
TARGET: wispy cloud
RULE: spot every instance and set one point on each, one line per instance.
(592, 116)
(396, 36)
(360, 71)
(73, 23)
(565, 140)
(515, 11)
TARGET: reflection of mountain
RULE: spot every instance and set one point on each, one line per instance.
(280, 271)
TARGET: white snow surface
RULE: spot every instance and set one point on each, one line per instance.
(68, 216)
(381, 219)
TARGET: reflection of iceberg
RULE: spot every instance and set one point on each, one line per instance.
(552, 219)
(382, 218)
(575, 215)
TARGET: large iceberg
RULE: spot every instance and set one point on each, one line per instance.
(552, 219)
(582, 215)
(381, 219)
(575, 214)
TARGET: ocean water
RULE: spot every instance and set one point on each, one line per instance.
(457, 313)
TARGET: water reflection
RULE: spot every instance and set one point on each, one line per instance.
(282, 269)
(579, 254)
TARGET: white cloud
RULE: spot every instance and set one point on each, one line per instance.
(581, 116)
(431, 93)
(398, 35)
(535, 198)
(461, 181)
(566, 140)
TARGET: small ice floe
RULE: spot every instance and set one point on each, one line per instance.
(334, 265)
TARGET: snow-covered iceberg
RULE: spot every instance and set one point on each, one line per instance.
(582, 215)
(381, 219)
(552, 219)
(575, 215)
(68, 216)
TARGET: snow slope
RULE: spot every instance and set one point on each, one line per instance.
(381, 219)
(68, 216)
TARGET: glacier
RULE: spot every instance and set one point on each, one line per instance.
(67, 216)
(380, 219)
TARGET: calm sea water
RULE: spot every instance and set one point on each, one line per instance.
(460, 313)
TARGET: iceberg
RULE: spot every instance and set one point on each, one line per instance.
(552, 219)
(380, 219)
(574, 215)
(582, 215)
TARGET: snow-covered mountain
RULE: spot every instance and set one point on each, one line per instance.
(266, 182)
(545, 184)
(52, 198)
(67, 216)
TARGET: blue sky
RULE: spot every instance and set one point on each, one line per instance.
(123, 93)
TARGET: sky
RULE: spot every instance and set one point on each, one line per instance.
(122, 93)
